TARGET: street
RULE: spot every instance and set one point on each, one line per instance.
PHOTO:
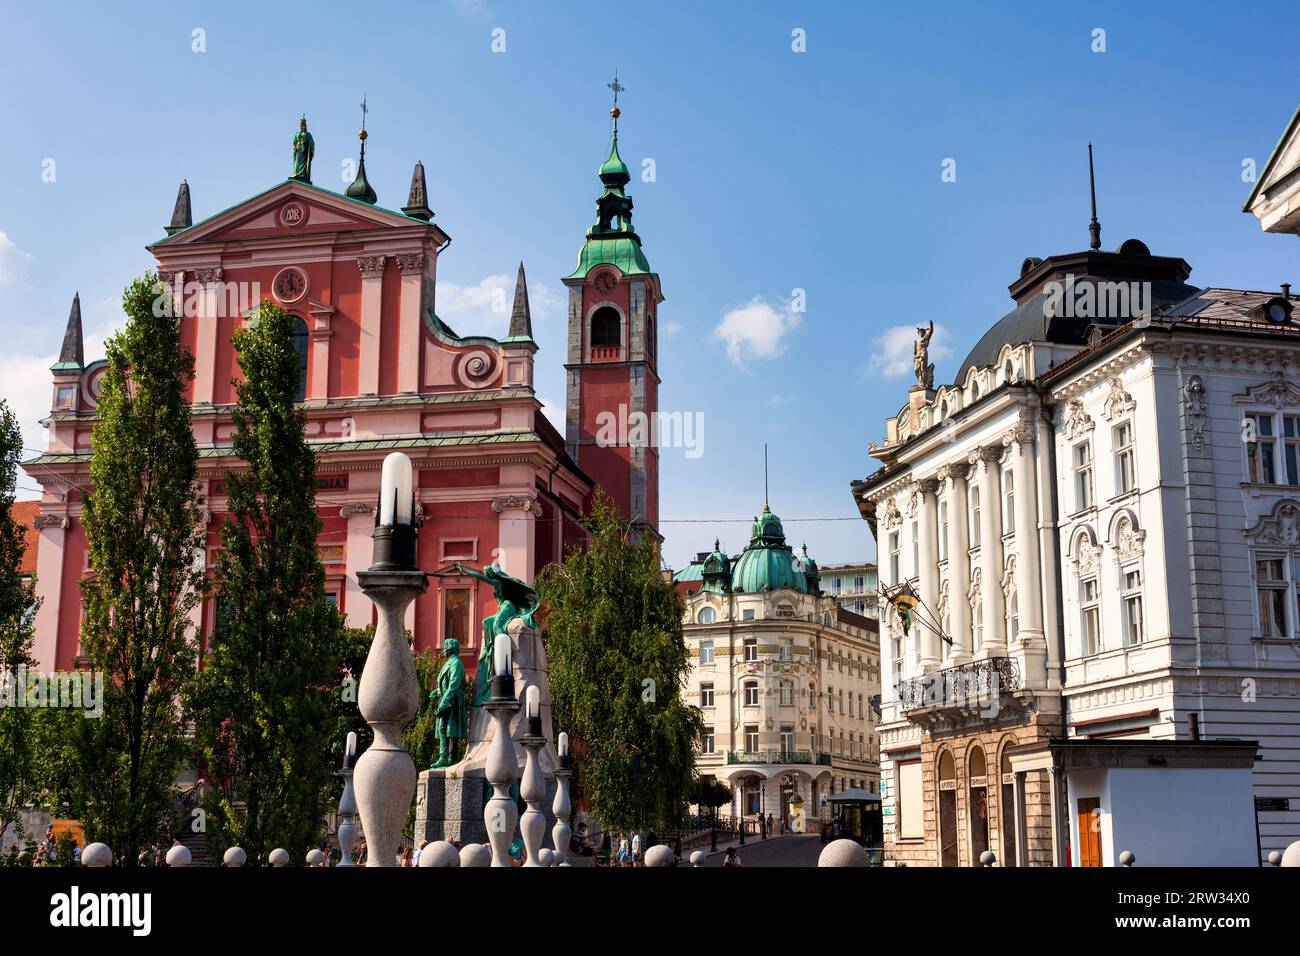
(793, 850)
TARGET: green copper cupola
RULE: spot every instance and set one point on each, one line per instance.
(360, 187)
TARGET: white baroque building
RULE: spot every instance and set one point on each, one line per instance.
(1102, 516)
(788, 681)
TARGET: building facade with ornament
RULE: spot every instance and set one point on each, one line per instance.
(1099, 517)
(381, 372)
(787, 680)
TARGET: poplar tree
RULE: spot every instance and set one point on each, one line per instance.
(618, 665)
(142, 520)
(18, 605)
(268, 702)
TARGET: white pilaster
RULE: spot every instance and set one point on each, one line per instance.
(991, 559)
(372, 290)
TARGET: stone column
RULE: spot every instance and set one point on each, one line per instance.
(1020, 444)
(991, 560)
(408, 322)
(958, 561)
(372, 288)
(928, 573)
(50, 562)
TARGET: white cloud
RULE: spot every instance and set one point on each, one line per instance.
(755, 330)
(894, 351)
(12, 260)
(670, 328)
(484, 309)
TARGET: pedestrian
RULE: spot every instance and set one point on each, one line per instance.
(769, 823)
(731, 857)
(636, 849)
(624, 851)
(415, 857)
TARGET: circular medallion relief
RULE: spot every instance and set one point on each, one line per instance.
(605, 283)
(293, 213)
(290, 284)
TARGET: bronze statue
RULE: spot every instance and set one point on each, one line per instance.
(449, 704)
(514, 599)
(921, 363)
(304, 148)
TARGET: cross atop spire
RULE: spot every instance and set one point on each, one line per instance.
(617, 88)
(361, 188)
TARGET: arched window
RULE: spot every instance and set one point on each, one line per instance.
(1008, 827)
(606, 327)
(978, 806)
(947, 810)
(300, 346)
(706, 616)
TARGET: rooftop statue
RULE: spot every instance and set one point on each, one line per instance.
(921, 363)
(304, 148)
(514, 599)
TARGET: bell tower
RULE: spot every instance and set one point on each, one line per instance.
(612, 400)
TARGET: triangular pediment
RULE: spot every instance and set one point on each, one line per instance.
(287, 209)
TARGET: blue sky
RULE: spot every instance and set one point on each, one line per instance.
(775, 171)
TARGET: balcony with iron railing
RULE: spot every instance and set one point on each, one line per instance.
(977, 688)
(778, 757)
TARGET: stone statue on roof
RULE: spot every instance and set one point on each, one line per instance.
(304, 148)
(921, 363)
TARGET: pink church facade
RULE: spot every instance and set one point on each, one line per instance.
(495, 480)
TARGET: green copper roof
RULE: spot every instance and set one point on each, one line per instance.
(768, 563)
(692, 572)
(613, 169)
(621, 251)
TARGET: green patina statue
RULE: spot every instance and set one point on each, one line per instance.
(449, 704)
(304, 148)
(514, 599)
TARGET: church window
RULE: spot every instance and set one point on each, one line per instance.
(606, 328)
(300, 346)
(455, 616)
(707, 615)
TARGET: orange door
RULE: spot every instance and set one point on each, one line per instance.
(1090, 831)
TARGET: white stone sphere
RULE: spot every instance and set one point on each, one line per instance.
(1126, 858)
(546, 857)
(97, 854)
(439, 853)
(1275, 857)
(697, 858)
(178, 855)
(843, 853)
(278, 857)
(473, 855)
(988, 858)
(315, 857)
(659, 856)
(1291, 856)
(235, 856)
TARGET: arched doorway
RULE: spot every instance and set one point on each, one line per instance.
(947, 809)
(978, 805)
(1008, 815)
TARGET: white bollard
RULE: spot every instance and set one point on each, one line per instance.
(1291, 856)
(660, 855)
(278, 857)
(1127, 858)
(179, 855)
(472, 855)
(439, 853)
(843, 853)
(235, 856)
(988, 858)
(315, 857)
(697, 858)
(98, 854)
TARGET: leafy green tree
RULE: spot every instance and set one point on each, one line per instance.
(143, 523)
(618, 664)
(268, 703)
(18, 605)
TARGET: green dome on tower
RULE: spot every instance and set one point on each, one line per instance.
(768, 563)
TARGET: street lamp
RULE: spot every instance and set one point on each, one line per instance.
(389, 693)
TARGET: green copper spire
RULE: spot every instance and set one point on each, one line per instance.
(361, 188)
(612, 240)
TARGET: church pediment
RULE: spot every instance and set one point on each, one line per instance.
(290, 208)
(1275, 200)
